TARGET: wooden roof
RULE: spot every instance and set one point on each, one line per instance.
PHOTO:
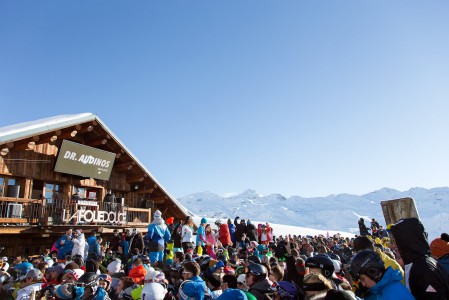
(90, 130)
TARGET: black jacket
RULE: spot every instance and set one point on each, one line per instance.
(251, 232)
(427, 279)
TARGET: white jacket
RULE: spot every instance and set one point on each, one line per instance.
(79, 244)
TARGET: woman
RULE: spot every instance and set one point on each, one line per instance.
(211, 241)
(187, 234)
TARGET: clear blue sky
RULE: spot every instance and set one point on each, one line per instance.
(295, 97)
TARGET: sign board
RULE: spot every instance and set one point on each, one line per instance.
(85, 161)
(397, 209)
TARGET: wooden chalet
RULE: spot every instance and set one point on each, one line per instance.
(38, 201)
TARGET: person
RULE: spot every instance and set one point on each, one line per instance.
(109, 201)
(362, 227)
(383, 283)
(64, 245)
(251, 231)
(322, 264)
(230, 290)
(256, 279)
(76, 196)
(316, 284)
(79, 243)
(93, 246)
(201, 234)
(231, 228)
(240, 228)
(223, 234)
(187, 234)
(439, 249)
(158, 234)
(90, 282)
(426, 279)
(193, 285)
(211, 241)
(33, 282)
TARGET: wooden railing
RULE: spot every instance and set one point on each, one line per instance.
(19, 211)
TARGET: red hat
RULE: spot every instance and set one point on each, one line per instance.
(439, 247)
(170, 220)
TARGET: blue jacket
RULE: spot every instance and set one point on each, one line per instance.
(232, 232)
(232, 294)
(65, 249)
(444, 262)
(390, 287)
(157, 235)
(94, 247)
(200, 232)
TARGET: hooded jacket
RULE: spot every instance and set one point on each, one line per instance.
(425, 278)
(390, 287)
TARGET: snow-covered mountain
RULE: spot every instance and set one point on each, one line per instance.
(335, 212)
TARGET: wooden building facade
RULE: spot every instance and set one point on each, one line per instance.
(37, 204)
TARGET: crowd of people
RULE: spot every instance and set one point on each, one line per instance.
(233, 260)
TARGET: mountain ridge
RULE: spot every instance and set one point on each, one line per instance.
(332, 212)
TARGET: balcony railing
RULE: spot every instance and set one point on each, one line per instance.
(19, 211)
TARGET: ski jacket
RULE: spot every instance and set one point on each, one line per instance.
(65, 248)
(425, 278)
(251, 232)
(444, 262)
(157, 236)
(239, 229)
(200, 236)
(390, 287)
(94, 246)
(231, 228)
(260, 289)
(225, 237)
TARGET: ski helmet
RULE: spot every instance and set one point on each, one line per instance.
(153, 291)
(322, 262)
(257, 269)
(369, 263)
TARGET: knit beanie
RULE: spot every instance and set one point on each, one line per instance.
(439, 247)
(170, 220)
(203, 221)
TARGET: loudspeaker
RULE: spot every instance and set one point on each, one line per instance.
(13, 191)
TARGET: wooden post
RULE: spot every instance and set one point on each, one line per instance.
(397, 209)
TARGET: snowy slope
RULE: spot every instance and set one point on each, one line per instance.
(332, 213)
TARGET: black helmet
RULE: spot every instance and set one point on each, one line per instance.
(369, 263)
(257, 269)
(89, 279)
(323, 262)
(254, 259)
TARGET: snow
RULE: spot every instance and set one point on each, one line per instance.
(334, 213)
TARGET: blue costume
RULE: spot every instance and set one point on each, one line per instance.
(158, 234)
(66, 248)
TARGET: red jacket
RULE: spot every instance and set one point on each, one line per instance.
(225, 236)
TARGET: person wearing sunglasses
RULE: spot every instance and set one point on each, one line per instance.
(257, 281)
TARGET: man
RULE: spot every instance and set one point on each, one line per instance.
(65, 245)
(383, 283)
(230, 290)
(362, 227)
(158, 234)
(256, 279)
(425, 278)
(192, 286)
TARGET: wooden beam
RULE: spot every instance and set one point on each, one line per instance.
(97, 143)
(126, 166)
(134, 179)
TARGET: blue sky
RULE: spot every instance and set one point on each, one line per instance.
(296, 97)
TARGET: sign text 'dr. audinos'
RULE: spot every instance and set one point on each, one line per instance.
(85, 161)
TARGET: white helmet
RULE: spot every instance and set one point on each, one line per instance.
(153, 291)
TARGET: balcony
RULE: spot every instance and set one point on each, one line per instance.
(26, 212)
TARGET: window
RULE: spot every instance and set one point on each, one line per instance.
(53, 191)
(10, 187)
